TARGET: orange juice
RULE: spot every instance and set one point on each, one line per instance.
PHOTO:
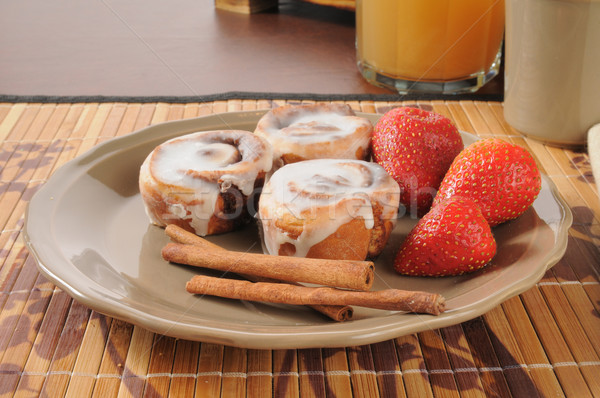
(429, 43)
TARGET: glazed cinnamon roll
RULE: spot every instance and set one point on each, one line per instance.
(203, 181)
(315, 131)
(328, 208)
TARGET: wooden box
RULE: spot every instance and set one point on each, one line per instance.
(254, 6)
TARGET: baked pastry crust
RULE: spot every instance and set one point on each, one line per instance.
(328, 208)
(204, 181)
(315, 131)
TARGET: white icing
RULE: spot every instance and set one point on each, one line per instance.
(182, 155)
(176, 158)
(200, 214)
(311, 127)
(315, 132)
(178, 210)
(346, 188)
(198, 167)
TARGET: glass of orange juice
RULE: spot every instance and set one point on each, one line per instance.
(429, 46)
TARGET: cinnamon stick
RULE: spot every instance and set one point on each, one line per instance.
(356, 275)
(389, 299)
(180, 235)
(338, 313)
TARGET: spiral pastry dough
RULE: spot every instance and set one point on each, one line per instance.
(315, 131)
(328, 208)
(203, 181)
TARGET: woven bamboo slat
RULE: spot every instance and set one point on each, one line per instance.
(185, 364)
(285, 373)
(67, 350)
(436, 357)
(494, 380)
(460, 357)
(337, 374)
(46, 342)
(235, 364)
(362, 371)
(544, 342)
(387, 369)
(136, 363)
(260, 369)
(86, 368)
(210, 365)
(113, 359)
(160, 366)
(512, 362)
(311, 373)
(415, 374)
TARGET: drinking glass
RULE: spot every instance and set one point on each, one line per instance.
(429, 46)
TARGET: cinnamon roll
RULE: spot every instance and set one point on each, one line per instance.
(203, 181)
(328, 208)
(315, 131)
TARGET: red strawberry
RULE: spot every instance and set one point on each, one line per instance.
(416, 147)
(452, 239)
(502, 178)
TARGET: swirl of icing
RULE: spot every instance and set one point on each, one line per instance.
(305, 202)
(181, 180)
(315, 131)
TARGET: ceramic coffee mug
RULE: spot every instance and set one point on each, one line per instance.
(552, 69)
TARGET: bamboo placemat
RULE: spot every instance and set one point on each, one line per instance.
(545, 342)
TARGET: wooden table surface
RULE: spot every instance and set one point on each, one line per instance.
(153, 48)
(544, 342)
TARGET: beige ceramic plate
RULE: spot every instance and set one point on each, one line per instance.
(87, 228)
